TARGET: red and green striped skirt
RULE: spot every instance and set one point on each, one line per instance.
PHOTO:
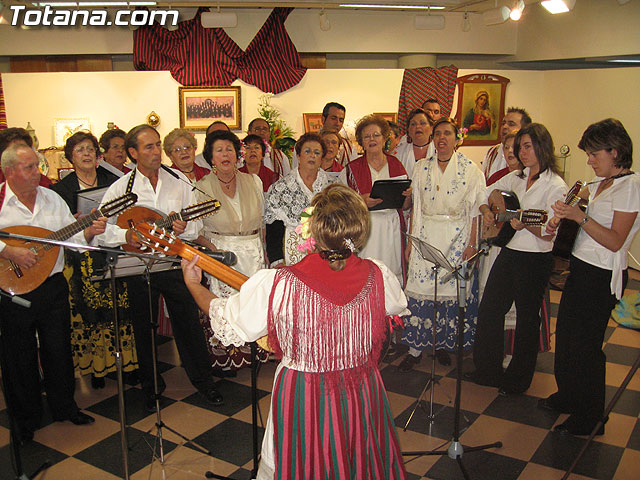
(344, 432)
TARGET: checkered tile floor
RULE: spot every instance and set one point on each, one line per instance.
(531, 451)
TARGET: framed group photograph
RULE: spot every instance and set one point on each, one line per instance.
(201, 106)
(389, 117)
(312, 122)
(481, 107)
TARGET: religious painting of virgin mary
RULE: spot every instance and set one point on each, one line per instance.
(481, 107)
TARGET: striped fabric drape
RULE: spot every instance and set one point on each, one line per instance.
(200, 56)
(3, 110)
(419, 84)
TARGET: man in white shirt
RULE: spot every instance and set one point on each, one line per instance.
(167, 193)
(515, 119)
(24, 202)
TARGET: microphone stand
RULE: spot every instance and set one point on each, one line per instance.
(456, 449)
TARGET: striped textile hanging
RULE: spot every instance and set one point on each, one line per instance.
(3, 110)
(419, 84)
(208, 56)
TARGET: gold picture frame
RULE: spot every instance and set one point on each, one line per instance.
(201, 106)
(389, 116)
(312, 122)
(482, 121)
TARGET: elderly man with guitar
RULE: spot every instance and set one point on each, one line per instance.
(165, 191)
(28, 208)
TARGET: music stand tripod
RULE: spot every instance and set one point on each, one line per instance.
(432, 255)
(456, 449)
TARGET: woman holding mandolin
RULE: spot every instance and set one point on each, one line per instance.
(598, 275)
(521, 271)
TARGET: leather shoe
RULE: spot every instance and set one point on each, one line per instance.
(408, 363)
(81, 418)
(569, 428)
(480, 379)
(213, 396)
(549, 404)
(150, 403)
(443, 358)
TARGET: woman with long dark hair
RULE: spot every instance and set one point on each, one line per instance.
(521, 271)
(598, 275)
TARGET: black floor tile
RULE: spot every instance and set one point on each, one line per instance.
(560, 451)
(241, 474)
(479, 465)
(627, 404)
(634, 439)
(44, 421)
(521, 409)
(134, 406)
(405, 383)
(236, 397)
(442, 427)
(32, 456)
(544, 363)
(107, 454)
(230, 441)
(608, 332)
(620, 354)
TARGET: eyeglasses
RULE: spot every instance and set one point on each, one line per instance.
(373, 135)
(182, 149)
(85, 149)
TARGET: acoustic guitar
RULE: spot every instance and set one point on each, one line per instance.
(138, 215)
(16, 280)
(568, 229)
(505, 207)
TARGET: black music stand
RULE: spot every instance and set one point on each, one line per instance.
(456, 449)
(432, 255)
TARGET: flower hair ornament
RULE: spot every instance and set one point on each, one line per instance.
(304, 230)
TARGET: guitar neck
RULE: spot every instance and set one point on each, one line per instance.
(226, 274)
(508, 215)
(76, 227)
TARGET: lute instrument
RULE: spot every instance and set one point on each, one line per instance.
(138, 215)
(568, 229)
(506, 206)
(16, 280)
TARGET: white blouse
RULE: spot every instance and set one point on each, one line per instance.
(622, 196)
(548, 189)
(242, 317)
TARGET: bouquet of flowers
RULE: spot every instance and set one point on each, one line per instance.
(281, 136)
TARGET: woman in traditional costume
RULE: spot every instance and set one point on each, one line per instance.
(237, 227)
(180, 146)
(92, 335)
(289, 196)
(385, 242)
(597, 278)
(254, 150)
(327, 317)
(419, 144)
(449, 191)
(332, 142)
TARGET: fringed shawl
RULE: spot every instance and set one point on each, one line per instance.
(323, 329)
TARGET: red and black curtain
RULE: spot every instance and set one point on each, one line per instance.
(419, 84)
(208, 56)
(3, 110)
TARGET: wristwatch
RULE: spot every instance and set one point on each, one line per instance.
(586, 219)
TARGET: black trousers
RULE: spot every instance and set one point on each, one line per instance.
(49, 316)
(188, 333)
(583, 315)
(519, 277)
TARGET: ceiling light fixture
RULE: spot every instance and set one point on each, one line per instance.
(496, 16)
(218, 19)
(516, 11)
(558, 6)
(396, 7)
(325, 24)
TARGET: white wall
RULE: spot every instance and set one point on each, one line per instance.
(565, 101)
